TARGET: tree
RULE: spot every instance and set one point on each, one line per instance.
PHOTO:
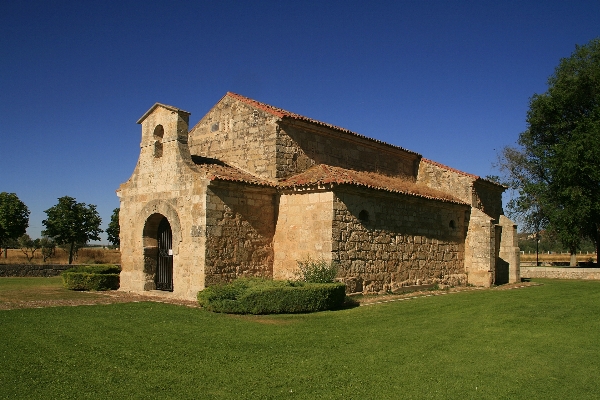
(14, 219)
(69, 223)
(48, 247)
(556, 169)
(113, 229)
(28, 246)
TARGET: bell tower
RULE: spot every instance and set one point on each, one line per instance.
(164, 130)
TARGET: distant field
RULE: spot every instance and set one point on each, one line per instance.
(89, 255)
(538, 342)
(556, 258)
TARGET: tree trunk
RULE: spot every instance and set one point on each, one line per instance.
(71, 253)
(573, 262)
(597, 246)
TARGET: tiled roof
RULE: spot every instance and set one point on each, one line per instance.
(223, 172)
(283, 114)
(475, 177)
(325, 174)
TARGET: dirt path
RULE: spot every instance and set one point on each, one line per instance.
(378, 299)
(95, 298)
(111, 297)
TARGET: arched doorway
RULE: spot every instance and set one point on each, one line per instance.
(164, 262)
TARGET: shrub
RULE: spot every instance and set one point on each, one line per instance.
(92, 277)
(316, 271)
(261, 296)
(96, 269)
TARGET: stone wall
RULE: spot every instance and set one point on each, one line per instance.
(488, 198)
(300, 145)
(240, 224)
(239, 135)
(480, 249)
(509, 251)
(384, 242)
(560, 273)
(23, 270)
(163, 184)
(447, 180)
(303, 230)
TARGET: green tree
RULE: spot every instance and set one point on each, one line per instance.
(556, 169)
(70, 223)
(48, 248)
(28, 246)
(113, 229)
(14, 219)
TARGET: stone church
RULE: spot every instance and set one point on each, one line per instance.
(252, 189)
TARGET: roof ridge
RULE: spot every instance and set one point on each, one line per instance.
(157, 104)
(281, 113)
(328, 174)
(449, 168)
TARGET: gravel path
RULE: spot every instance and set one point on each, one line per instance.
(111, 297)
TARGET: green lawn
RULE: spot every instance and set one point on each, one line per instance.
(42, 289)
(539, 342)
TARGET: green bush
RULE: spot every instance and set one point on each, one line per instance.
(96, 269)
(92, 277)
(316, 271)
(261, 296)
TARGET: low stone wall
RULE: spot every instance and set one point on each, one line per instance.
(560, 273)
(32, 270)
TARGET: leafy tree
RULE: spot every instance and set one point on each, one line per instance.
(14, 219)
(70, 223)
(113, 229)
(556, 169)
(28, 246)
(48, 247)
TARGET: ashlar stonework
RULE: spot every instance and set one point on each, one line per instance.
(252, 189)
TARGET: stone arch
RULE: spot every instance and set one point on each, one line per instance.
(152, 214)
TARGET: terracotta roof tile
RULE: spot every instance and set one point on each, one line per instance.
(223, 172)
(283, 114)
(325, 174)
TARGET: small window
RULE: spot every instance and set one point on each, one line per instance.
(214, 127)
(158, 149)
(452, 224)
(363, 216)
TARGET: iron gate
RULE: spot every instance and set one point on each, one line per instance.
(164, 265)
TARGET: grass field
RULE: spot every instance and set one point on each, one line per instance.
(539, 342)
(87, 255)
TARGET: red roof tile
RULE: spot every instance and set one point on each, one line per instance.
(281, 113)
(325, 174)
(231, 174)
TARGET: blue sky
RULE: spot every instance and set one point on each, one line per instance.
(449, 80)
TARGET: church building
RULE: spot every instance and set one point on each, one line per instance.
(252, 189)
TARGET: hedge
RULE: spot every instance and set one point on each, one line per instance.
(261, 296)
(92, 277)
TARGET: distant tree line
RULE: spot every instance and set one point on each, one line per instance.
(69, 225)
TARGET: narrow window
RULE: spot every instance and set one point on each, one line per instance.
(159, 132)
(363, 216)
